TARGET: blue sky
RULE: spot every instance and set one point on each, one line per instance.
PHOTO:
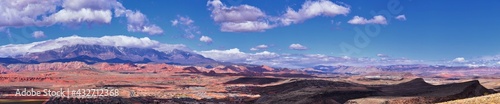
(431, 30)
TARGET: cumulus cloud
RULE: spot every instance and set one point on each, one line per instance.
(459, 59)
(489, 60)
(311, 9)
(16, 13)
(247, 26)
(46, 13)
(38, 34)
(83, 11)
(231, 55)
(297, 47)
(379, 19)
(401, 17)
(186, 24)
(206, 39)
(235, 55)
(80, 16)
(182, 20)
(259, 47)
(246, 18)
(296, 60)
(137, 22)
(243, 18)
(242, 13)
(120, 40)
(22, 13)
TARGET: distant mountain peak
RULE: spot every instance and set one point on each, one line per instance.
(114, 54)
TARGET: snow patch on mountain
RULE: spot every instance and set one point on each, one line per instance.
(12, 50)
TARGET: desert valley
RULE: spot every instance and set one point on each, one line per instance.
(196, 79)
(249, 52)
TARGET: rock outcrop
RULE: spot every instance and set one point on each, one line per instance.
(416, 91)
(43, 67)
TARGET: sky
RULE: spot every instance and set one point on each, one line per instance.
(284, 32)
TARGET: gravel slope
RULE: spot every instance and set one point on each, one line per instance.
(488, 99)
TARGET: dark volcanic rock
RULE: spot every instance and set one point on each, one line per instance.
(416, 91)
(254, 80)
(312, 92)
(191, 70)
(419, 92)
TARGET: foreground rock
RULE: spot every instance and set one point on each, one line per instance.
(416, 91)
(488, 99)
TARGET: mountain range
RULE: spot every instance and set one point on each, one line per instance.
(91, 54)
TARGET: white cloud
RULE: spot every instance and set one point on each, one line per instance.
(489, 60)
(242, 18)
(262, 46)
(38, 34)
(91, 4)
(459, 59)
(247, 26)
(186, 24)
(379, 19)
(382, 55)
(84, 11)
(311, 9)
(253, 49)
(246, 18)
(137, 22)
(22, 13)
(231, 55)
(206, 39)
(242, 13)
(259, 47)
(80, 16)
(135, 18)
(297, 47)
(236, 56)
(295, 60)
(346, 57)
(152, 29)
(175, 22)
(120, 40)
(474, 65)
(46, 13)
(185, 20)
(19, 13)
(401, 17)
